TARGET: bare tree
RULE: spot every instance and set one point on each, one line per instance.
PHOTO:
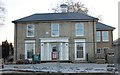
(72, 7)
(2, 13)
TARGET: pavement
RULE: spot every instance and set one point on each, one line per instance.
(59, 67)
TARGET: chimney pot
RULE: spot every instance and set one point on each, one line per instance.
(63, 8)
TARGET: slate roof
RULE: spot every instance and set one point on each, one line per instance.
(56, 17)
(63, 17)
(101, 26)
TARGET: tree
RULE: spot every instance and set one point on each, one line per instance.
(2, 13)
(72, 7)
(7, 51)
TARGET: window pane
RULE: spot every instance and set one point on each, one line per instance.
(55, 33)
(98, 50)
(30, 30)
(105, 35)
(79, 54)
(30, 47)
(79, 46)
(30, 27)
(55, 30)
(98, 36)
(79, 29)
(79, 50)
(29, 54)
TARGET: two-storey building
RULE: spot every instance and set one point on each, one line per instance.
(60, 36)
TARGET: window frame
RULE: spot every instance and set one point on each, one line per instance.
(104, 36)
(52, 29)
(26, 48)
(98, 36)
(84, 52)
(33, 30)
(99, 51)
(79, 29)
(105, 49)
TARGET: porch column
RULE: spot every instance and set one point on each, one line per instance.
(61, 51)
(66, 52)
(42, 51)
(47, 53)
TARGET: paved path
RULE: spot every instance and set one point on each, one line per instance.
(62, 67)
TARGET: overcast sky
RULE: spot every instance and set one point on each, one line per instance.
(107, 9)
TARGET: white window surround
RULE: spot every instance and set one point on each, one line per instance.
(79, 29)
(105, 36)
(55, 31)
(84, 52)
(30, 31)
(26, 44)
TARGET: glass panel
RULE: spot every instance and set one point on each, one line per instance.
(30, 33)
(105, 35)
(55, 33)
(29, 54)
(80, 46)
(98, 36)
(30, 27)
(98, 50)
(55, 29)
(79, 54)
(30, 49)
(105, 50)
(30, 30)
(79, 29)
(79, 50)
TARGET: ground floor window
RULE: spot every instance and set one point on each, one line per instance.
(102, 50)
(29, 49)
(98, 50)
(80, 49)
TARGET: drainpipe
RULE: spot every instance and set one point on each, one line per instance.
(94, 38)
(15, 38)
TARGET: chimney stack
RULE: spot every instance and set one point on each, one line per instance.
(63, 8)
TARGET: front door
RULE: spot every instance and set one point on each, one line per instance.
(55, 51)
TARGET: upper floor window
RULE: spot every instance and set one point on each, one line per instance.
(30, 30)
(79, 29)
(98, 36)
(54, 29)
(105, 36)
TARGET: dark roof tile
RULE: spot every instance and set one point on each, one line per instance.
(56, 17)
(101, 26)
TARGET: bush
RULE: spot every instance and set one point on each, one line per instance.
(20, 61)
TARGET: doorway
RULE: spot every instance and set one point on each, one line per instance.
(55, 51)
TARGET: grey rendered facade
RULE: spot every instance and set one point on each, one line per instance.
(69, 46)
